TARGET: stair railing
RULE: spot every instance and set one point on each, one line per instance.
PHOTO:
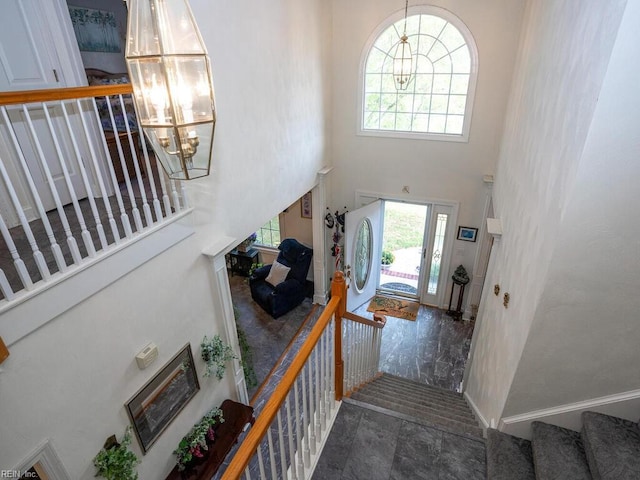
(362, 340)
(59, 154)
(288, 435)
(304, 404)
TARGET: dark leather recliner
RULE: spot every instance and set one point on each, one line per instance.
(290, 293)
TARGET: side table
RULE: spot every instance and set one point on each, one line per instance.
(241, 261)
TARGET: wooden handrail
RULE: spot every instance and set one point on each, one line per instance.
(270, 410)
(379, 321)
(53, 94)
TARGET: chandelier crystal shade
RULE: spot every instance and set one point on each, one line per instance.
(402, 59)
(172, 85)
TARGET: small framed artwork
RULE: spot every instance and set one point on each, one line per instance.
(467, 234)
(305, 205)
(162, 398)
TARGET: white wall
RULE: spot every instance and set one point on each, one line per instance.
(432, 169)
(563, 58)
(585, 335)
(70, 379)
(269, 68)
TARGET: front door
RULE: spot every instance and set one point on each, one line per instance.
(362, 252)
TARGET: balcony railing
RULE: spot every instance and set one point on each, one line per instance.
(287, 437)
(77, 181)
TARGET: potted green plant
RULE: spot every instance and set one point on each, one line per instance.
(245, 353)
(387, 259)
(197, 441)
(115, 461)
(216, 354)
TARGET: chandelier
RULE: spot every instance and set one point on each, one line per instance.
(402, 59)
(172, 85)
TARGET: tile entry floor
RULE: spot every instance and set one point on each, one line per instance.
(433, 349)
(367, 445)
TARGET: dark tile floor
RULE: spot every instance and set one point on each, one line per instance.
(368, 445)
(364, 443)
(433, 349)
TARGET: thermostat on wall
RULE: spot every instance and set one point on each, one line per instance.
(147, 356)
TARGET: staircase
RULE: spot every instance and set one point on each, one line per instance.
(608, 448)
(429, 405)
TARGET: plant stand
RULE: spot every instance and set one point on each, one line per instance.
(457, 313)
(237, 417)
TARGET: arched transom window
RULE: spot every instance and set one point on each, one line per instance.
(439, 97)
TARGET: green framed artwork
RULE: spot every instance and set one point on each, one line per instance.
(96, 30)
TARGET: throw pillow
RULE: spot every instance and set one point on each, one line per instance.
(278, 274)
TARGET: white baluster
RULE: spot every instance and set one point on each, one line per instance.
(356, 354)
(247, 474)
(306, 419)
(346, 355)
(283, 455)
(23, 273)
(185, 197)
(5, 288)
(272, 456)
(86, 236)
(134, 205)
(328, 356)
(136, 166)
(71, 241)
(292, 453)
(370, 352)
(157, 208)
(263, 476)
(365, 353)
(332, 364)
(321, 385)
(312, 410)
(55, 248)
(361, 349)
(124, 216)
(101, 186)
(316, 353)
(378, 348)
(166, 200)
(87, 185)
(298, 421)
(175, 196)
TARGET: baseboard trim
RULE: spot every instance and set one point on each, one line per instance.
(624, 405)
(474, 408)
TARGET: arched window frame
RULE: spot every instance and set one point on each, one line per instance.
(473, 74)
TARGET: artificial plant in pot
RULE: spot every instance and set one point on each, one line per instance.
(216, 354)
(115, 461)
(197, 441)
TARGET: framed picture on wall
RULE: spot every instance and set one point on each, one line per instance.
(96, 30)
(162, 398)
(305, 205)
(467, 234)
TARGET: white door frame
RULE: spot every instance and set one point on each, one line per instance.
(224, 310)
(363, 197)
